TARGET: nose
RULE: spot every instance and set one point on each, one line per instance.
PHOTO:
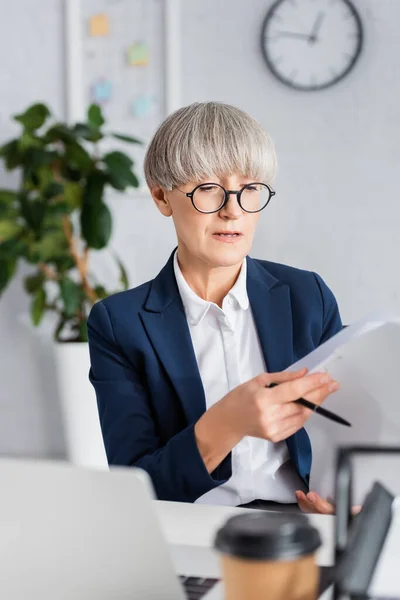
(231, 210)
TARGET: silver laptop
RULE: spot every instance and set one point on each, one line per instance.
(75, 534)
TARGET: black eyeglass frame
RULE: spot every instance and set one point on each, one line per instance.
(227, 193)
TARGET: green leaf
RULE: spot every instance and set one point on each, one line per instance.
(73, 193)
(52, 220)
(64, 263)
(7, 270)
(59, 133)
(71, 295)
(116, 159)
(27, 141)
(78, 157)
(33, 211)
(53, 190)
(96, 225)
(95, 115)
(8, 213)
(83, 334)
(119, 170)
(12, 249)
(34, 117)
(38, 157)
(123, 276)
(8, 230)
(45, 176)
(33, 283)
(87, 132)
(38, 306)
(126, 138)
(101, 292)
(7, 196)
(50, 246)
(94, 188)
(11, 154)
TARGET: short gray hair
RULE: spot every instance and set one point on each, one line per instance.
(205, 139)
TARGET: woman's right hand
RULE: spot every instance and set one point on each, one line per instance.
(271, 414)
(251, 409)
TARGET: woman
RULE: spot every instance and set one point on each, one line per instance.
(181, 364)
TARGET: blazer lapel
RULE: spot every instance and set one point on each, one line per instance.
(271, 307)
(165, 322)
(270, 304)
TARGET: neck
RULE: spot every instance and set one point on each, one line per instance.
(210, 283)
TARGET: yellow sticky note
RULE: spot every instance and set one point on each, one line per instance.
(99, 25)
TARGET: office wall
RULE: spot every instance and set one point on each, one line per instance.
(336, 209)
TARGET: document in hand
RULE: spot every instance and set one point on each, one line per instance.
(365, 359)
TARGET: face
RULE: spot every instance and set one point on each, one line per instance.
(201, 236)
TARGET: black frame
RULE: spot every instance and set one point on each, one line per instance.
(355, 560)
(312, 88)
(227, 193)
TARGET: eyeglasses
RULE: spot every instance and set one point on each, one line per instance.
(211, 197)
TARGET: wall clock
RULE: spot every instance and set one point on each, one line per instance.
(311, 44)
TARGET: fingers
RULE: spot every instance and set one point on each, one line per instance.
(265, 379)
(320, 395)
(313, 503)
(304, 504)
(304, 386)
(282, 429)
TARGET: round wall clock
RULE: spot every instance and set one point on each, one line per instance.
(311, 44)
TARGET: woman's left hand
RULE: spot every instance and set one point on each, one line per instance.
(313, 503)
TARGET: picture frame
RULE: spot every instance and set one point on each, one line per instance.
(76, 40)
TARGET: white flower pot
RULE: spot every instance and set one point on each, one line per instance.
(85, 445)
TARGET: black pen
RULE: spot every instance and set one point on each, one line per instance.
(318, 409)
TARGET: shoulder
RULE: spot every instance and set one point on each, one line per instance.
(307, 289)
(120, 311)
(132, 299)
(312, 301)
(285, 274)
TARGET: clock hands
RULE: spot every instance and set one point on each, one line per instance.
(311, 37)
(294, 34)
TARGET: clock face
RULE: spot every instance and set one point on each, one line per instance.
(311, 44)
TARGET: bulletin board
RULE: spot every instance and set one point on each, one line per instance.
(124, 56)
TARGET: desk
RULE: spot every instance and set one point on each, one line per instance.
(190, 529)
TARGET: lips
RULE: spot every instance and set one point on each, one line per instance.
(228, 233)
(227, 237)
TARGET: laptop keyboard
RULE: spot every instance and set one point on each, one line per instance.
(196, 587)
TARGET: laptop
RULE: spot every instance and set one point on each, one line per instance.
(69, 533)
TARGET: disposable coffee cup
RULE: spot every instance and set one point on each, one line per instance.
(269, 556)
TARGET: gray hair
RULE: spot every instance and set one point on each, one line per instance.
(205, 139)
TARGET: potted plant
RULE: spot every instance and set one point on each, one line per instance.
(54, 221)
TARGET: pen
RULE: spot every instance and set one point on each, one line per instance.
(318, 409)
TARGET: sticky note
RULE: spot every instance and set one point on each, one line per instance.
(99, 25)
(142, 106)
(101, 91)
(138, 55)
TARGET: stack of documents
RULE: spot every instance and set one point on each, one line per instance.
(365, 359)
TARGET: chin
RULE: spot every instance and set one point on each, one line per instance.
(227, 257)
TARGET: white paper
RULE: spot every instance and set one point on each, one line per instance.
(365, 359)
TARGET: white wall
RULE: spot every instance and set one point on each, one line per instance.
(31, 57)
(336, 209)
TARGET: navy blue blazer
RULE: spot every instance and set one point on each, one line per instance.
(147, 382)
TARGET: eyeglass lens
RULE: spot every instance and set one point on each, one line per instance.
(210, 197)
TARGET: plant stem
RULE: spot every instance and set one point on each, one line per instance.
(80, 261)
(48, 272)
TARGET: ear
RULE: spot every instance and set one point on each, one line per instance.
(159, 196)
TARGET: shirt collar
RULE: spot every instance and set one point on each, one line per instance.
(195, 307)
